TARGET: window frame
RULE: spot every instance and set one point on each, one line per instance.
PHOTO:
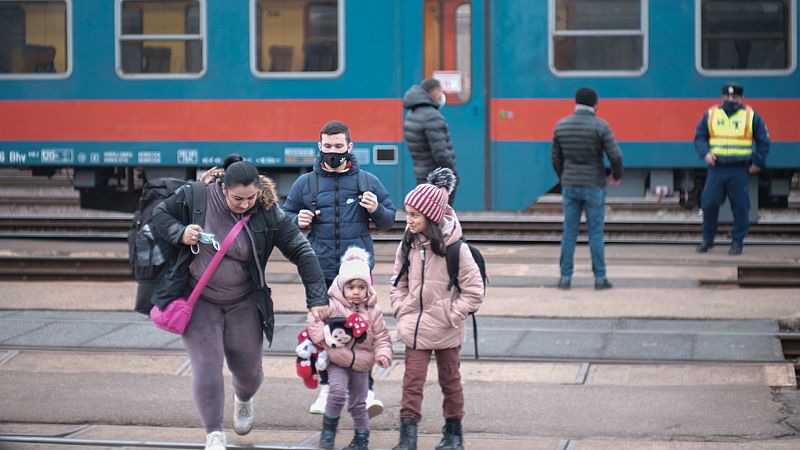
(118, 39)
(340, 35)
(68, 45)
(698, 48)
(644, 32)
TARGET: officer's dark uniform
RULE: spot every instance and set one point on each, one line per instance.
(729, 131)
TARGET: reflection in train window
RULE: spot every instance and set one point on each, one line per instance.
(448, 46)
(33, 37)
(301, 36)
(598, 36)
(751, 35)
(164, 37)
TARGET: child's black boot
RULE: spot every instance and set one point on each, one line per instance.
(360, 440)
(328, 435)
(453, 438)
(408, 435)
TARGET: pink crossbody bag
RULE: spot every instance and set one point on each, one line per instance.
(178, 312)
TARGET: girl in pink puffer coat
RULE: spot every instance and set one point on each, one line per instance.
(430, 318)
(348, 371)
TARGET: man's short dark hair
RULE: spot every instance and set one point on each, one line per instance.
(586, 96)
(335, 127)
(429, 84)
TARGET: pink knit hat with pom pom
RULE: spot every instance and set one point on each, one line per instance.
(430, 198)
(355, 266)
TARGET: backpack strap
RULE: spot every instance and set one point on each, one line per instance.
(403, 269)
(361, 181)
(198, 206)
(475, 333)
(313, 189)
(453, 258)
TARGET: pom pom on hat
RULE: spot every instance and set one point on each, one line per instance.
(355, 266)
(430, 198)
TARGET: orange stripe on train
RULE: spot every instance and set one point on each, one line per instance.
(638, 120)
(197, 120)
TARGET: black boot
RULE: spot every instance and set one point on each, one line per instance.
(328, 435)
(360, 440)
(453, 438)
(408, 435)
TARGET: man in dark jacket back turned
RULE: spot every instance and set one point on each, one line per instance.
(579, 143)
(426, 131)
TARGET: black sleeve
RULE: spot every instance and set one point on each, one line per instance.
(295, 247)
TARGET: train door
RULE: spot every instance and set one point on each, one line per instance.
(444, 39)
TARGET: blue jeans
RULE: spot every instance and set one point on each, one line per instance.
(722, 181)
(577, 199)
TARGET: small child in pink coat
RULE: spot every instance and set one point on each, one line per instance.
(349, 365)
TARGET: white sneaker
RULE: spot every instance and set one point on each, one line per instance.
(215, 441)
(242, 416)
(318, 407)
(374, 406)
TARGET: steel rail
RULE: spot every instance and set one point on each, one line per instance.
(511, 228)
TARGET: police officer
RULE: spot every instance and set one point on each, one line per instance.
(725, 139)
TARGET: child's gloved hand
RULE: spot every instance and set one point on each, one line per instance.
(322, 361)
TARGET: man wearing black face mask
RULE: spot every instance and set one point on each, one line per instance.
(339, 216)
(725, 139)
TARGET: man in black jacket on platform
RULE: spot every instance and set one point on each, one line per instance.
(579, 143)
(426, 131)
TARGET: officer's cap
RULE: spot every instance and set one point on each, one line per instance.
(732, 89)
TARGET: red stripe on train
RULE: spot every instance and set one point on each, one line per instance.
(197, 120)
(638, 120)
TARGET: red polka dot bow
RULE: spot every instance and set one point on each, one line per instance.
(357, 324)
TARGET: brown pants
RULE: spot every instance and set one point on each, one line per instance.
(448, 363)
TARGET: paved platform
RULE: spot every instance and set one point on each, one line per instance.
(703, 371)
(527, 405)
(498, 337)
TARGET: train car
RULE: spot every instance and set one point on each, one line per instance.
(127, 90)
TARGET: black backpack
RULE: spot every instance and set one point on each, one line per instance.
(453, 258)
(148, 253)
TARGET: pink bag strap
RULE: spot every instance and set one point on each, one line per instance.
(212, 266)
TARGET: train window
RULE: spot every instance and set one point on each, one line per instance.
(297, 38)
(448, 46)
(160, 39)
(754, 36)
(598, 37)
(35, 39)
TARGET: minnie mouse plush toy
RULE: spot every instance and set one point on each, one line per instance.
(311, 359)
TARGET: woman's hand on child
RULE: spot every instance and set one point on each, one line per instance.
(320, 312)
(383, 361)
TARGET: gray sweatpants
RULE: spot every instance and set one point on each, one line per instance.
(343, 381)
(233, 331)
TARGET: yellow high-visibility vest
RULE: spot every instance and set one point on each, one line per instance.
(730, 136)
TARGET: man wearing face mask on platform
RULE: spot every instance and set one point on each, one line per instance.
(339, 216)
(334, 203)
(426, 130)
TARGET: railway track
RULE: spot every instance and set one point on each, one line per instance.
(116, 268)
(517, 228)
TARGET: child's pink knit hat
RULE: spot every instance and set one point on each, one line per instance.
(430, 198)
